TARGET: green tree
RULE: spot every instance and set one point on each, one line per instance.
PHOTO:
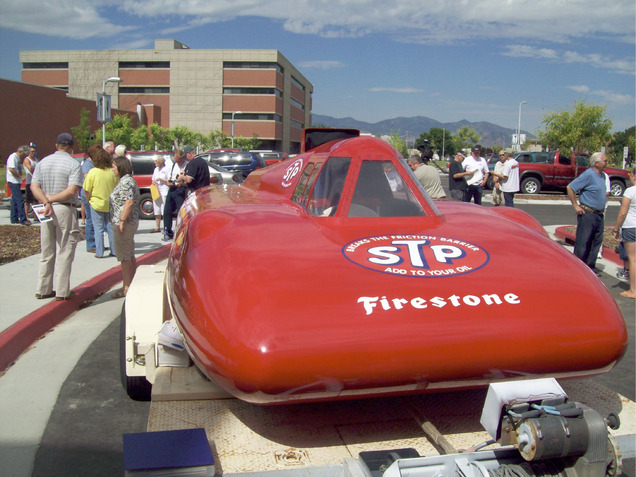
(84, 137)
(466, 137)
(621, 140)
(584, 128)
(119, 130)
(398, 143)
(217, 139)
(140, 138)
(246, 143)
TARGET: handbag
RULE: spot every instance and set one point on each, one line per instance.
(154, 191)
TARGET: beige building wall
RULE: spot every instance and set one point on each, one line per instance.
(196, 81)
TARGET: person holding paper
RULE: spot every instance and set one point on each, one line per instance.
(56, 183)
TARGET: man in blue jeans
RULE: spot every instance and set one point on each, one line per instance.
(177, 190)
(590, 209)
(14, 181)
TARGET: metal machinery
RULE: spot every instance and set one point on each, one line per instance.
(541, 434)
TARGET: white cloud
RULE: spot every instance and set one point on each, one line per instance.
(433, 21)
(396, 90)
(607, 96)
(320, 65)
(579, 89)
(595, 60)
(74, 19)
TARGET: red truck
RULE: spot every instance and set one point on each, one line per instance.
(556, 169)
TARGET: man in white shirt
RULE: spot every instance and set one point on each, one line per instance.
(510, 183)
(14, 181)
(475, 182)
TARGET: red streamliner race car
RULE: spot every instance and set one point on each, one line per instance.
(333, 275)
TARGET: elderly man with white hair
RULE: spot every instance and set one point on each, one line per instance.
(590, 209)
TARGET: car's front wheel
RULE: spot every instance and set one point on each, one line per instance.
(617, 188)
(531, 185)
(146, 207)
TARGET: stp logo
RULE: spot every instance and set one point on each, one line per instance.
(416, 255)
(291, 172)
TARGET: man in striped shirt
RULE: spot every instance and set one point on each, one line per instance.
(56, 183)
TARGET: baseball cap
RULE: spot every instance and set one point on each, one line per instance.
(187, 149)
(65, 139)
(476, 149)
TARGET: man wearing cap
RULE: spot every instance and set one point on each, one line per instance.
(196, 173)
(56, 183)
(177, 188)
(14, 181)
(475, 182)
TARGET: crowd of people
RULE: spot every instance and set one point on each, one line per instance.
(103, 187)
(467, 177)
(109, 196)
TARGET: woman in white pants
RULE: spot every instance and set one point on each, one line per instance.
(159, 179)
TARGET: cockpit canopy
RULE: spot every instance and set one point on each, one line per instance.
(361, 185)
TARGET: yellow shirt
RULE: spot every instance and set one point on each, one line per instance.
(100, 183)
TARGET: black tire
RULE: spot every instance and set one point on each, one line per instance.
(617, 188)
(530, 185)
(138, 388)
(146, 207)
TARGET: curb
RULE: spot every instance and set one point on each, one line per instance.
(20, 336)
(569, 237)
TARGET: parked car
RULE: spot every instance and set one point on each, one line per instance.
(242, 161)
(271, 157)
(555, 170)
(227, 177)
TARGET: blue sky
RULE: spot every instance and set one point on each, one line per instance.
(372, 60)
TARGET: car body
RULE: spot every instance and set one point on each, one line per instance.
(555, 170)
(244, 162)
(271, 157)
(317, 279)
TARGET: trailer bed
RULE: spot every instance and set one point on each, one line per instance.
(317, 438)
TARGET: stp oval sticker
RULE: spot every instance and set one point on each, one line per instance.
(416, 255)
(291, 172)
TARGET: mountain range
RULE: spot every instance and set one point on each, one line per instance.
(491, 134)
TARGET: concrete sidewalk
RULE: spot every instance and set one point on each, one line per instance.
(24, 318)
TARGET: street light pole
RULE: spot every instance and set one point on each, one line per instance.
(519, 127)
(112, 79)
(235, 112)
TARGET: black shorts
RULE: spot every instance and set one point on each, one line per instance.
(30, 198)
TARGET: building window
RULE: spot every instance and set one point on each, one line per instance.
(298, 104)
(45, 66)
(260, 91)
(254, 117)
(144, 64)
(298, 83)
(296, 124)
(253, 64)
(144, 90)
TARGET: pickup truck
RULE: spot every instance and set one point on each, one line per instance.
(556, 169)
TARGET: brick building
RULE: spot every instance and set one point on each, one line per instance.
(200, 89)
(32, 113)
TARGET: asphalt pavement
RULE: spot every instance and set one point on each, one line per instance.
(27, 398)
